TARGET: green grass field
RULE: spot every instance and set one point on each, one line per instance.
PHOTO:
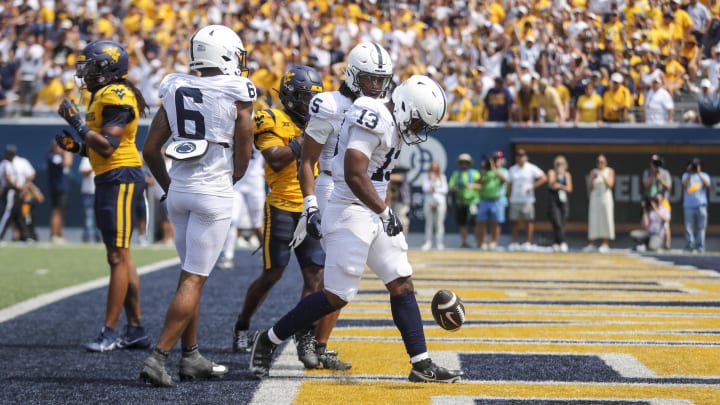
(28, 271)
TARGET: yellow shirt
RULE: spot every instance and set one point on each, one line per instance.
(105, 28)
(460, 109)
(497, 13)
(588, 107)
(564, 94)
(549, 100)
(51, 94)
(674, 70)
(683, 24)
(618, 99)
(273, 127)
(126, 154)
(478, 108)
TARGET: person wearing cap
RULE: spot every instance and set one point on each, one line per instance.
(523, 178)
(659, 106)
(696, 184)
(616, 100)
(17, 176)
(493, 200)
(657, 181)
(548, 100)
(465, 193)
(499, 103)
(459, 105)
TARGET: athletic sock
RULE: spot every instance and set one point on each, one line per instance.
(187, 351)
(406, 315)
(308, 310)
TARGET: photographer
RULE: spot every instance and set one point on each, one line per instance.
(654, 219)
(657, 180)
(695, 186)
(493, 200)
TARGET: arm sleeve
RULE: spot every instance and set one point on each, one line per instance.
(117, 115)
(363, 140)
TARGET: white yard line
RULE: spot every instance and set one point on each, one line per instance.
(54, 296)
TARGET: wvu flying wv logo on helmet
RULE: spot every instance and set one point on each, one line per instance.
(101, 63)
(297, 87)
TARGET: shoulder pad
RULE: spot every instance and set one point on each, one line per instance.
(167, 83)
(240, 88)
(328, 105)
(117, 94)
(265, 121)
(367, 113)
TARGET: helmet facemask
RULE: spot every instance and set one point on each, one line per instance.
(372, 85)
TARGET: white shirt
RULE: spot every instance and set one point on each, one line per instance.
(327, 112)
(522, 179)
(19, 170)
(439, 188)
(369, 127)
(207, 112)
(657, 106)
(88, 182)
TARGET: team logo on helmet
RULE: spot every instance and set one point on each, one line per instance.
(112, 52)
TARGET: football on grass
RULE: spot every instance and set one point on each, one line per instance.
(448, 310)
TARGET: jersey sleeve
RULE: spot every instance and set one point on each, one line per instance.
(240, 89)
(323, 110)
(265, 136)
(118, 95)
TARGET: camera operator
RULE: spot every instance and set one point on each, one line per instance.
(695, 186)
(493, 200)
(654, 219)
(657, 180)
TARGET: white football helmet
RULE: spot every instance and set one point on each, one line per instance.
(419, 106)
(368, 59)
(218, 46)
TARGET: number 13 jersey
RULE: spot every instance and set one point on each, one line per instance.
(204, 108)
(369, 127)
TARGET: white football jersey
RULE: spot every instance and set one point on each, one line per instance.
(370, 128)
(330, 108)
(204, 108)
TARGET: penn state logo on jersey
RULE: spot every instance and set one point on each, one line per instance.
(187, 149)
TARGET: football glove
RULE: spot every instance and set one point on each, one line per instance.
(69, 111)
(313, 223)
(391, 222)
(68, 142)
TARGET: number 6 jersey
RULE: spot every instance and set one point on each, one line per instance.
(370, 128)
(204, 108)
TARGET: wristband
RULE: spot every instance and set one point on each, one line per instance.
(310, 201)
(385, 214)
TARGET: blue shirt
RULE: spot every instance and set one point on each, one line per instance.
(498, 103)
(695, 194)
(58, 181)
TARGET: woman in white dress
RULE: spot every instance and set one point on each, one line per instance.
(601, 212)
(435, 187)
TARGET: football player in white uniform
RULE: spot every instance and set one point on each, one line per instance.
(369, 73)
(210, 119)
(359, 228)
(247, 212)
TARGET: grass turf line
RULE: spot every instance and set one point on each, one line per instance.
(28, 271)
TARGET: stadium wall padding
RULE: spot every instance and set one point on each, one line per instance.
(627, 147)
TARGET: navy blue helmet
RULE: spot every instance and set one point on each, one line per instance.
(101, 63)
(297, 87)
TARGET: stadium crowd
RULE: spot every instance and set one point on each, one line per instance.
(524, 61)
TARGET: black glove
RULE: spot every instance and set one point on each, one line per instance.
(68, 110)
(313, 223)
(391, 222)
(69, 143)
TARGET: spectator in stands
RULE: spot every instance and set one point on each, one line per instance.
(655, 220)
(493, 200)
(50, 94)
(684, 24)
(589, 107)
(459, 105)
(696, 184)
(616, 100)
(674, 73)
(499, 103)
(548, 100)
(700, 17)
(659, 105)
(527, 102)
(435, 187)
(564, 93)
(465, 195)
(30, 67)
(87, 188)
(523, 178)
(58, 162)
(560, 184)
(601, 209)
